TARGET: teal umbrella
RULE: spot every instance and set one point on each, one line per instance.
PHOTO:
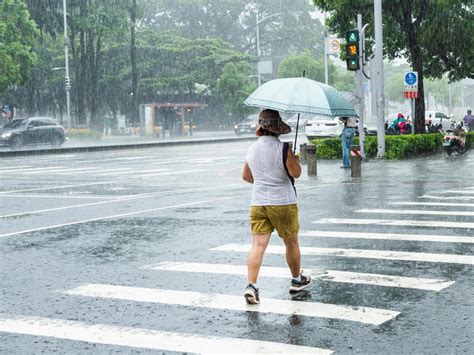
(301, 95)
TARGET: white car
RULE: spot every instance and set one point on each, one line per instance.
(323, 127)
(436, 117)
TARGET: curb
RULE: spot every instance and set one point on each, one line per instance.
(98, 148)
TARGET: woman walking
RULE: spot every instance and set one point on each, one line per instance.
(271, 167)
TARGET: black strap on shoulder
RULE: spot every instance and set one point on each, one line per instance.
(286, 146)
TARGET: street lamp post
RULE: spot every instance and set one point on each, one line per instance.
(67, 82)
(258, 22)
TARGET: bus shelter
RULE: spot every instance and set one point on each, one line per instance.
(167, 119)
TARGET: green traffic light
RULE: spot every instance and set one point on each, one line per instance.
(352, 36)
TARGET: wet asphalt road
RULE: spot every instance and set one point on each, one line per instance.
(108, 218)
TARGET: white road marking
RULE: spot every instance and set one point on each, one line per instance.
(56, 187)
(67, 170)
(441, 204)
(55, 171)
(329, 275)
(196, 160)
(14, 167)
(145, 338)
(365, 315)
(362, 253)
(388, 236)
(119, 199)
(114, 159)
(32, 170)
(448, 197)
(387, 280)
(392, 222)
(136, 171)
(114, 216)
(172, 173)
(83, 197)
(459, 192)
(417, 212)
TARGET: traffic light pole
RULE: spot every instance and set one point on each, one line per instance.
(360, 88)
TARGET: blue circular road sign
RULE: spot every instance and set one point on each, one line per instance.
(411, 78)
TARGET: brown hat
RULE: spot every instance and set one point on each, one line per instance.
(271, 121)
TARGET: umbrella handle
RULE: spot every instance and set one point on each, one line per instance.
(296, 134)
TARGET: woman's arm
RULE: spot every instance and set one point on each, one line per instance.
(293, 164)
(247, 174)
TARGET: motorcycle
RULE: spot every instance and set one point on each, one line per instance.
(454, 141)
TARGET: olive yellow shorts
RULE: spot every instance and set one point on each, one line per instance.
(265, 219)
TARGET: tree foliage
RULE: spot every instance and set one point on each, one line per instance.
(293, 66)
(435, 36)
(234, 87)
(129, 52)
(18, 35)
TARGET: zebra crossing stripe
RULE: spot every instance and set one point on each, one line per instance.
(448, 197)
(393, 222)
(417, 212)
(144, 338)
(388, 236)
(365, 315)
(459, 192)
(329, 275)
(361, 253)
(441, 204)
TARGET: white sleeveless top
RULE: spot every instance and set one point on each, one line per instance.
(272, 185)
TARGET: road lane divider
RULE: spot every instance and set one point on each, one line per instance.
(416, 212)
(31, 170)
(361, 253)
(388, 236)
(136, 172)
(394, 222)
(56, 187)
(366, 315)
(115, 216)
(141, 338)
(328, 275)
(440, 204)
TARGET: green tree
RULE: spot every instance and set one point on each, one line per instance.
(434, 36)
(234, 87)
(235, 23)
(294, 65)
(18, 35)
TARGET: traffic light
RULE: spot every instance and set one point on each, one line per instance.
(352, 50)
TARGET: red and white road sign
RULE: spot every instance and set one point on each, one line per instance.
(410, 94)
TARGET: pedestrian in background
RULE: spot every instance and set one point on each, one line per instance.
(348, 134)
(469, 120)
(272, 167)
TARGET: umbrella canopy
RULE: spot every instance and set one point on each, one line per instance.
(301, 95)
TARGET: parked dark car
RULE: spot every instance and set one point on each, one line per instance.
(248, 125)
(30, 131)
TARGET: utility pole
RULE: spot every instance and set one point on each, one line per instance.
(67, 82)
(379, 88)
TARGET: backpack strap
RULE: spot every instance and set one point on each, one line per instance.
(286, 146)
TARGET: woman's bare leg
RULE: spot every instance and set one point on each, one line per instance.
(255, 257)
